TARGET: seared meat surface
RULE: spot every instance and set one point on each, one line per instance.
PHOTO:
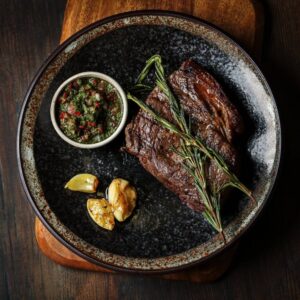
(214, 119)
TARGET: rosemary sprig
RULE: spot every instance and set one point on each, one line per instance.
(192, 150)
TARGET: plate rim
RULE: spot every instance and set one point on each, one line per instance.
(45, 64)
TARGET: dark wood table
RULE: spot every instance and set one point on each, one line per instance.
(268, 262)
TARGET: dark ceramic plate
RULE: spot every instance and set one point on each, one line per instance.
(162, 234)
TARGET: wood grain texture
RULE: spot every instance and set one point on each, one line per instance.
(224, 14)
(57, 252)
(267, 265)
(242, 19)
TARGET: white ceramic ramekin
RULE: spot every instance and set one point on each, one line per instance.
(94, 75)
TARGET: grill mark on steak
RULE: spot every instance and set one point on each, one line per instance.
(214, 119)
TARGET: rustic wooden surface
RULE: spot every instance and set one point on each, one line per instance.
(54, 250)
(79, 14)
(241, 18)
(267, 265)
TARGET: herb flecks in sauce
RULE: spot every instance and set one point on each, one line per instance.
(89, 110)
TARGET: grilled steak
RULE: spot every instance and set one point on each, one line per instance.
(214, 119)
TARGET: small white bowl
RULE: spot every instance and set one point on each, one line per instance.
(124, 109)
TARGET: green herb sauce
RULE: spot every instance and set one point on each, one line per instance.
(89, 110)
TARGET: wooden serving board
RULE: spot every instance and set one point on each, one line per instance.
(242, 19)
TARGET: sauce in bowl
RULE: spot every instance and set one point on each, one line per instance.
(89, 110)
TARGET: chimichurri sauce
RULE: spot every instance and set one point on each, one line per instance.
(89, 110)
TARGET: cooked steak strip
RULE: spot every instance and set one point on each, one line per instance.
(214, 119)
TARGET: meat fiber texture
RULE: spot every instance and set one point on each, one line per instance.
(214, 118)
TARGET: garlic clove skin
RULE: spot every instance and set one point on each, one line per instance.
(85, 183)
(122, 196)
(101, 213)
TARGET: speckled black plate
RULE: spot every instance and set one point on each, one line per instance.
(162, 234)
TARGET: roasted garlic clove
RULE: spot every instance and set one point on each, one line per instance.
(101, 213)
(122, 197)
(86, 183)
